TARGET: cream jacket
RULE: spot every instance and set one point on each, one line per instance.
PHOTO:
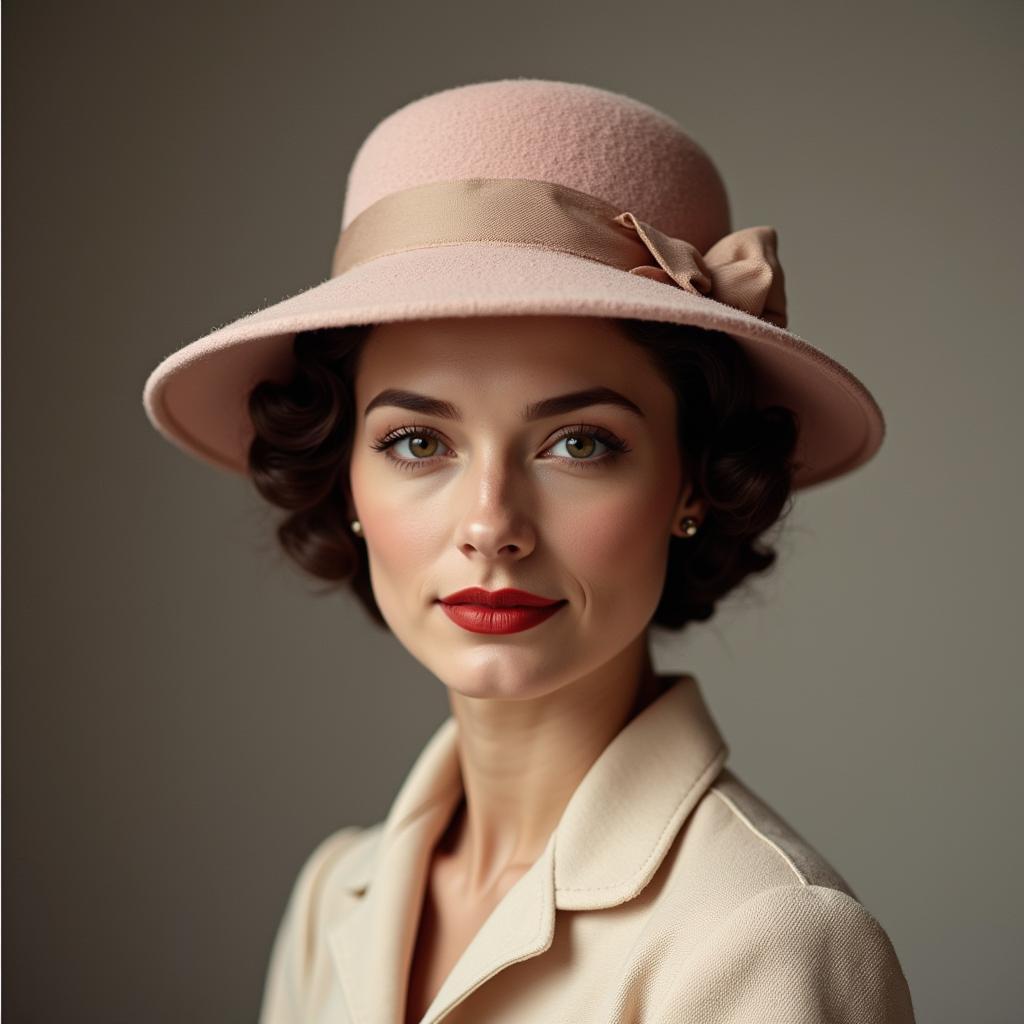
(668, 892)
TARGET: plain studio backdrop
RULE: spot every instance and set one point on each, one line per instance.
(182, 716)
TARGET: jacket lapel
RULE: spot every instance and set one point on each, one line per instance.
(372, 946)
(612, 836)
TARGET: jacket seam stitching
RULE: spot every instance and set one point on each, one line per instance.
(757, 832)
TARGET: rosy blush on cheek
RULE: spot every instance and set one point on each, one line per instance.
(616, 549)
(598, 533)
(406, 540)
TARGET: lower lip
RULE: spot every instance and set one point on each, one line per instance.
(478, 618)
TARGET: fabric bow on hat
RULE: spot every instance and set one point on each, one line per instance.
(741, 269)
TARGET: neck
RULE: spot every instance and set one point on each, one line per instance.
(521, 761)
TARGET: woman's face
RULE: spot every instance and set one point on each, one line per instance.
(488, 498)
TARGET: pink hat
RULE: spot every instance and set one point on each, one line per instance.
(528, 196)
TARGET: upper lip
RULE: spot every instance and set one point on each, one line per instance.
(507, 598)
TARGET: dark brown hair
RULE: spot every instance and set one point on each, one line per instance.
(739, 458)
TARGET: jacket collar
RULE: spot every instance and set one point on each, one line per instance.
(653, 773)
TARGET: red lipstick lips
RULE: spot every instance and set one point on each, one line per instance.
(498, 611)
(506, 598)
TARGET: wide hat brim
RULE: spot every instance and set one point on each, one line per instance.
(197, 397)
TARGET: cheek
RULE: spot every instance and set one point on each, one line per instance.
(617, 545)
(402, 533)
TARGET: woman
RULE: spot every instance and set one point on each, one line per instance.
(525, 425)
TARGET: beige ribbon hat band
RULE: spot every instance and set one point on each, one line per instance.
(741, 269)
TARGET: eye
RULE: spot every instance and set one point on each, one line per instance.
(423, 444)
(581, 443)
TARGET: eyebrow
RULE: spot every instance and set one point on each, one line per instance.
(555, 406)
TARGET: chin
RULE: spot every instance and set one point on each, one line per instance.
(491, 672)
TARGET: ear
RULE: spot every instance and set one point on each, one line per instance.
(688, 505)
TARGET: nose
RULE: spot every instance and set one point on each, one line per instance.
(494, 521)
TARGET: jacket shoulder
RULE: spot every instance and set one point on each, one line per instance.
(732, 847)
(795, 953)
(769, 838)
(774, 930)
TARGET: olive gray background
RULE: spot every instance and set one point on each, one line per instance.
(184, 719)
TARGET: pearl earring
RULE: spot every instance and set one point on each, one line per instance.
(357, 527)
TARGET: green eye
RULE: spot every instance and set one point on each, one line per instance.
(581, 442)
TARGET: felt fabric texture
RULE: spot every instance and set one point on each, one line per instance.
(615, 148)
(668, 892)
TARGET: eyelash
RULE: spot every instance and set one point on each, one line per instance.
(616, 446)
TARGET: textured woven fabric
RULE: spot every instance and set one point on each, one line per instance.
(669, 892)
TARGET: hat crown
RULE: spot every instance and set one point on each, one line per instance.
(605, 144)
(615, 212)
